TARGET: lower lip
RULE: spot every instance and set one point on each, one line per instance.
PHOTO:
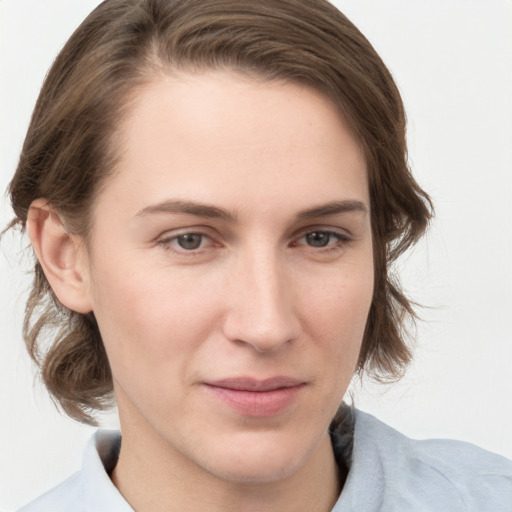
(257, 403)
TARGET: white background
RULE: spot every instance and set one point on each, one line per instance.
(452, 61)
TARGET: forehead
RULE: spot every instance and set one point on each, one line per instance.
(217, 135)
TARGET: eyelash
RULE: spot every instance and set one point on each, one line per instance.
(341, 240)
(167, 243)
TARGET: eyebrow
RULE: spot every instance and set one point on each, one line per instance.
(333, 208)
(189, 208)
(214, 212)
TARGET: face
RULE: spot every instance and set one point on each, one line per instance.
(231, 272)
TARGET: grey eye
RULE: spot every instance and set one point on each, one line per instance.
(190, 241)
(318, 238)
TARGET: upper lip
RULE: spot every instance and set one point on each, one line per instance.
(252, 384)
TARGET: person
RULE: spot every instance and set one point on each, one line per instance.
(215, 192)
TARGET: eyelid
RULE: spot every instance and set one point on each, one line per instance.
(186, 230)
(341, 241)
(334, 230)
(166, 239)
(340, 237)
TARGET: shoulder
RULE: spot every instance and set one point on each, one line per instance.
(464, 475)
(406, 474)
(90, 489)
(63, 498)
(483, 480)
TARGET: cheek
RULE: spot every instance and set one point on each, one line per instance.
(334, 324)
(149, 319)
(341, 300)
(337, 314)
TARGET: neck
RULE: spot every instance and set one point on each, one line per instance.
(153, 477)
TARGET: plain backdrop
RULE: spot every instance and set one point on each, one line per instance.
(452, 61)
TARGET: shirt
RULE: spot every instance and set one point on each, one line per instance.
(388, 472)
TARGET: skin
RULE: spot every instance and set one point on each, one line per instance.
(251, 292)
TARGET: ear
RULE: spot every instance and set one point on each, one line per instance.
(61, 255)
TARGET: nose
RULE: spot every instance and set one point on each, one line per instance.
(261, 310)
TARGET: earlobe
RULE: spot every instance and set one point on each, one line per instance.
(61, 256)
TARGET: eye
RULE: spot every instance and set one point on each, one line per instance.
(318, 238)
(186, 242)
(321, 239)
(190, 241)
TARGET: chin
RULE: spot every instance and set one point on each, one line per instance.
(260, 459)
(246, 470)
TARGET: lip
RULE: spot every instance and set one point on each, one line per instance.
(254, 397)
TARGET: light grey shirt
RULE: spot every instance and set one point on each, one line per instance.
(388, 473)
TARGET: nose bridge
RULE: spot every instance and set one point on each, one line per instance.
(261, 310)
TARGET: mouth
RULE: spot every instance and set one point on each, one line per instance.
(256, 398)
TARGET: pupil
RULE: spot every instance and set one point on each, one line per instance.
(318, 239)
(190, 241)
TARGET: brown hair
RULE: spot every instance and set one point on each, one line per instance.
(70, 148)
